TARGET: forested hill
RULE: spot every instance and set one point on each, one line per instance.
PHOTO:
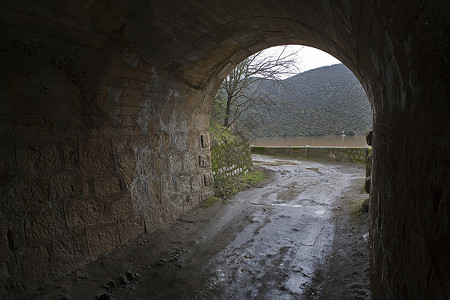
(325, 101)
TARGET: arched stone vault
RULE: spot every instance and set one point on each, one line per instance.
(105, 110)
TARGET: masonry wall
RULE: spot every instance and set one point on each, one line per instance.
(90, 154)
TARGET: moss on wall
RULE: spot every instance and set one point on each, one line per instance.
(230, 156)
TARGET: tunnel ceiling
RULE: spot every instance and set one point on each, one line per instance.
(199, 41)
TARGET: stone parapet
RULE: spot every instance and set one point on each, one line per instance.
(353, 155)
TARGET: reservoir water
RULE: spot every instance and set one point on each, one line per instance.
(324, 141)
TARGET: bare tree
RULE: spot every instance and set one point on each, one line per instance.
(239, 91)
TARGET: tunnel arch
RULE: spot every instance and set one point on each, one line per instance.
(105, 107)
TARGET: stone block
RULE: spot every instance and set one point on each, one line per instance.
(107, 187)
(183, 184)
(11, 284)
(130, 228)
(189, 163)
(7, 161)
(45, 225)
(70, 252)
(208, 179)
(180, 141)
(153, 218)
(65, 185)
(175, 164)
(194, 141)
(154, 141)
(204, 140)
(4, 274)
(172, 210)
(95, 156)
(154, 190)
(70, 151)
(39, 158)
(144, 163)
(122, 208)
(88, 187)
(166, 142)
(84, 211)
(24, 195)
(35, 265)
(196, 199)
(139, 194)
(125, 164)
(139, 142)
(168, 188)
(161, 164)
(12, 235)
(121, 143)
(197, 182)
(190, 201)
(102, 238)
(204, 160)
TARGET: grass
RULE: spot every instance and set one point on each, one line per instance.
(210, 201)
(227, 187)
(252, 177)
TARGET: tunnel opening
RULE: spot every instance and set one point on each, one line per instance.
(326, 270)
(104, 123)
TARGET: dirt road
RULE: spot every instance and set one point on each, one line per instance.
(298, 235)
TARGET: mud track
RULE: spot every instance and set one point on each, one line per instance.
(297, 235)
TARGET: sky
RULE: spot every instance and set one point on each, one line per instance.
(308, 58)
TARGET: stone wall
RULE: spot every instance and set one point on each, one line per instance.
(93, 149)
(67, 200)
(353, 155)
(230, 156)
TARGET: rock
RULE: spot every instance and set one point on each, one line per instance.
(367, 184)
(131, 276)
(104, 296)
(111, 285)
(369, 136)
(365, 206)
(369, 165)
(123, 280)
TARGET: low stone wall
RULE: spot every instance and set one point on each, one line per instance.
(353, 155)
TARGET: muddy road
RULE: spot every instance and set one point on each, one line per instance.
(297, 235)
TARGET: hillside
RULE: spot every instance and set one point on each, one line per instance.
(324, 101)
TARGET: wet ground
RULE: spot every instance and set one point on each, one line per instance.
(297, 235)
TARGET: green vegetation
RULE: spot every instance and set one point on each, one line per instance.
(227, 188)
(324, 101)
(210, 201)
(220, 134)
(231, 163)
(251, 178)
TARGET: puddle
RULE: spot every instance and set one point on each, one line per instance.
(319, 212)
(288, 205)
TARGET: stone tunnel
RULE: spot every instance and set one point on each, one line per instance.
(105, 113)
